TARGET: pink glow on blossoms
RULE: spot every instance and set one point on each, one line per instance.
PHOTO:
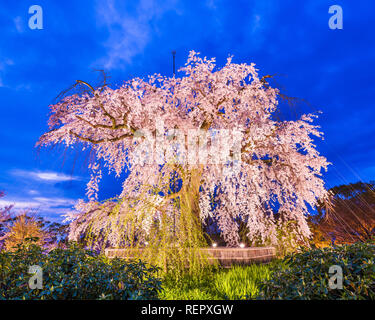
(278, 161)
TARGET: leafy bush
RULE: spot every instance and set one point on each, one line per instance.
(307, 275)
(75, 273)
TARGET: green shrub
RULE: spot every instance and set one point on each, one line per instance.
(75, 273)
(307, 275)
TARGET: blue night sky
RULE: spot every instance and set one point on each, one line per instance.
(331, 69)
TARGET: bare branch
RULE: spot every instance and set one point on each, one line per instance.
(126, 135)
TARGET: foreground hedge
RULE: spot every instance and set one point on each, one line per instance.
(307, 274)
(75, 273)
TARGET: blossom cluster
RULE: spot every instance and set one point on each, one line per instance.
(159, 126)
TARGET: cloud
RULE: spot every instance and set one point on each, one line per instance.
(4, 63)
(18, 24)
(129, 31)
(53, 208)
(48, 176)
(53, 176)
(211, 4)
(37, 191)
(256, 23)
(74, 186)
(260, 22)
(19, 204)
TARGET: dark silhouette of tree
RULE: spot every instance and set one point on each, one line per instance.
(5, 217)
(350, 216)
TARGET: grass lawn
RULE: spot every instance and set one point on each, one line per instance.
(238, 282)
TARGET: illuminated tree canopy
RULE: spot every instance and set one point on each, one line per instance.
(269, 175)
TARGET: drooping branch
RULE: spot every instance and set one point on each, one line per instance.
(232, 98)
(105, 112)
(98, 141)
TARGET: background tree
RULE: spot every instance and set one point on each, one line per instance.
(24, 227)
(350, 217)
(279, 164)
(5, 217)
(14, 228)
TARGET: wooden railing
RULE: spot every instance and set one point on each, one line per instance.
(225, 256)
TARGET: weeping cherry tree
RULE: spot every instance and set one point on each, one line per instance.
(214, 131)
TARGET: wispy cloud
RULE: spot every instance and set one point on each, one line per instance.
(39, 193)
(53, 176)
(4, 63)
(52, 208)
(128, 32)
(19, 204)
(54, 201)
(262, 19)
(211, 4)
(256, 23)
(19, 24)
(48, 176)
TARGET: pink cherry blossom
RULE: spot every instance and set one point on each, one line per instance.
(278, 160)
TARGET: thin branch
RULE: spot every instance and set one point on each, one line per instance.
(106, 113)
(126, 135)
